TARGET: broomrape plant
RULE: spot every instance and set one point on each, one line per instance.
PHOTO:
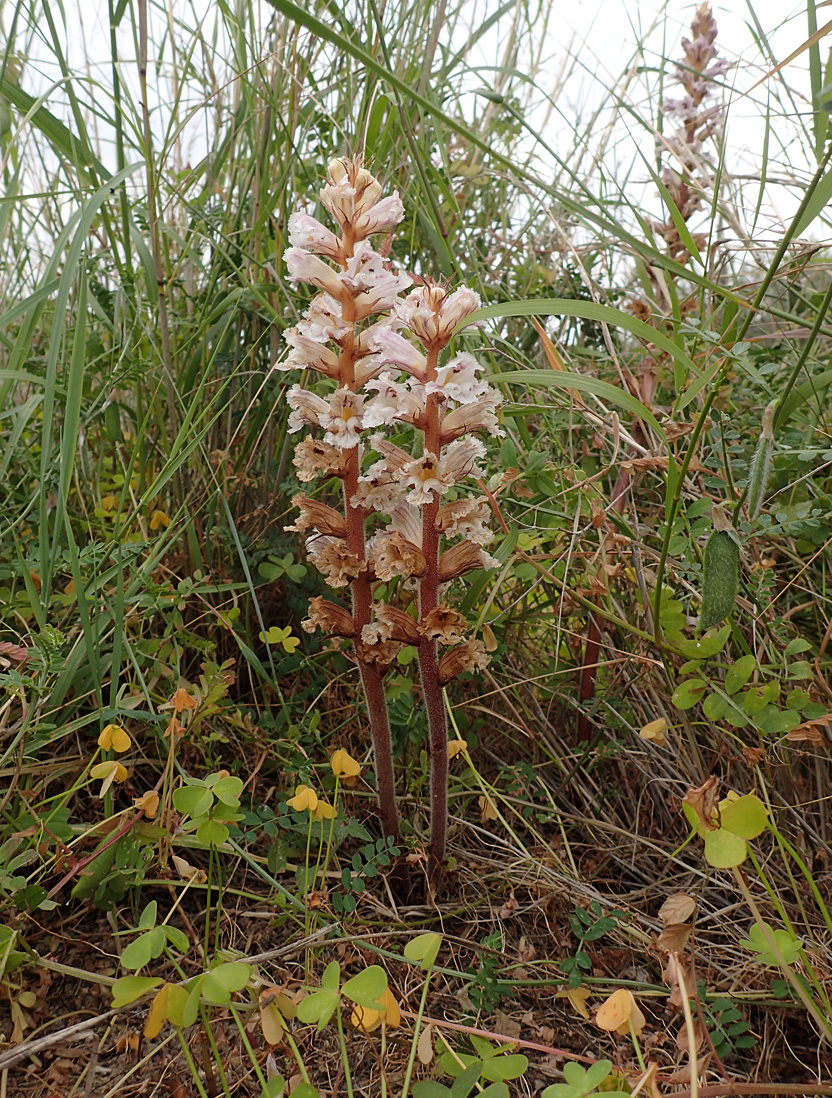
(379, 335)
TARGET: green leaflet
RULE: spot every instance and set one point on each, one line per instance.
(721, 578)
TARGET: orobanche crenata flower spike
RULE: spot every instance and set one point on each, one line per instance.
(378, 336)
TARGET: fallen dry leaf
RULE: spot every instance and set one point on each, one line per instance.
(424, 1049)
(674, 937)
(677, 908)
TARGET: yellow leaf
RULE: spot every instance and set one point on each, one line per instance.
(304, 799)
(344, 765)
(618, 1012)
(109, 503)
(488, 810)
(114, 737)
(655, 731)
(455, 746)
(167, 1006)
(271, 1022)
(577, 996)
(159, 518)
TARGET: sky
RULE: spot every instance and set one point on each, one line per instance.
(600, 36)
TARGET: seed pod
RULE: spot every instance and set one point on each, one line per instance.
(721, 578)
(761, 464)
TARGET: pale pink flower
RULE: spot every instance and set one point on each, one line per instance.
(460, 459)
(307, 408)
(308, 353)
(334, 560)
(377, 489)
(424, 476)
(303, 266)
(382, 217)
(324, 320)
(373, 287)
(395, 456)
(343, 419)
(466, 518)
(305, 232)
(478, 416)
(393, 349)
(313, 458)
(458, 380)
(393, 401)
(456, 307)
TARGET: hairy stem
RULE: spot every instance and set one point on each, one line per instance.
(428, 654)
(362, 602)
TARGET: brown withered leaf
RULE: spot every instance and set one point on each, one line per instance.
(815, 731)
(677, 908)
(673, 938)
(753, 755)
(683, 1036)
(16, 652)
(703, 800)
(672, 970)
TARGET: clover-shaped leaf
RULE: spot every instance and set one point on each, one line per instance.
(275, 635)
(767, 943)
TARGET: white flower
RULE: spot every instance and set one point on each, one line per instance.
(308, 353)
(303, 266)
(313, 457)
(394, 350)
(478, 416)
(377, 489)
(466, 518)
(460, 459)
(343, 419)
(307, 408)
(379, 218)
(458, 380)
(306, 232)
(324, 320)
(334, 560)
(393, 401)
(374, 288)
(425, 476)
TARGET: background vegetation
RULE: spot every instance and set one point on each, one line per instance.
(147, 583)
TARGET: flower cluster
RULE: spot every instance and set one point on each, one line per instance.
(696, 121)
(378, 338)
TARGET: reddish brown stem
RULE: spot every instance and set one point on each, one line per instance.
(428, 655)
(362, 599)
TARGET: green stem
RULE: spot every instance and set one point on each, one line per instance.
(411, 1060)
(345, 1060)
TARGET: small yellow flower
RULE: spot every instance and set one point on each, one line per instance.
(344, 765)
(109, 771)
(148, 803)
(324, 811)
(455, 746)
(159, 518)
(305, 799)
(368, 1019)
(617, 1013)
(114, 737)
